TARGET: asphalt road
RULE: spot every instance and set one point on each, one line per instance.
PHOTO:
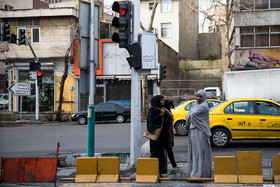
(41, 140)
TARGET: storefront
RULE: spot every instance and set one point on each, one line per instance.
(19, 72)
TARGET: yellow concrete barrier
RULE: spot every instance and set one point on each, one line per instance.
(225, 170)
(147, 170)
(276, 169)
(108, 169)
(249, 167)
(86, 170)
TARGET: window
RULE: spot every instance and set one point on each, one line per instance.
(259, 4)
(261, 36)
(189, 106)
(166, 30)
(35, 35)
(165, 5)
(266, 108)
(242, 107)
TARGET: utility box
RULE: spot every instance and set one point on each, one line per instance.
(149, 50)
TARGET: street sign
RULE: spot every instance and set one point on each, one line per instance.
(32, 74)
(21, 89)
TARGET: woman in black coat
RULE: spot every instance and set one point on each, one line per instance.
(154, 121)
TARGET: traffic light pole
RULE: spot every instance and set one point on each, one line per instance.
(135, 131)
(36, 83)
(92, 81)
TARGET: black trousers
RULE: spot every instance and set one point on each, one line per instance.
(157, 151)
(171, 157)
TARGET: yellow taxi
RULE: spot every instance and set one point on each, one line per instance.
(180, 112)
(239, 119)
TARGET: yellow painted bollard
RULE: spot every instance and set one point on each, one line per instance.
(108, 169)
(147, 170)
(225, 170)
(276, 169)
(249, 167)
(86, 170)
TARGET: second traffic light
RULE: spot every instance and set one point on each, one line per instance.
(22, 37)
(123, 22)
(6, 35)
(162, 72)
(39, 79)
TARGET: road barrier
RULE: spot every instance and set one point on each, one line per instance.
(276, 168)
(249, 167)
(147, 170)
(225, 170)
(30, 170)
(86, 170)
(108, 169)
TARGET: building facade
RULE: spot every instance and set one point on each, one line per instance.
(50, 32)
(255, 35)
(166, 20)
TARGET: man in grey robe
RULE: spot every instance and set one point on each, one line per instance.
(199, 148)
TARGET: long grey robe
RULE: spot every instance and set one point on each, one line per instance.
(199, 148)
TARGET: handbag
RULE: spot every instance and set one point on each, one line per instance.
(155, 135)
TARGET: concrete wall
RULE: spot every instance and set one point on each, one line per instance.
(188, 30)
(196, 75)
(17, 4)
(169, 58)
(209, 43)
(55, 36)
(162, 17)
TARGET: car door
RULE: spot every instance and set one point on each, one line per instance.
(241, 119)
(99, 108)
(109, 111)
(269, 119)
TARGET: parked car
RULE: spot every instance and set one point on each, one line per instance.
(4, 100)
(239, 119)
(104, 111)
(180, 112)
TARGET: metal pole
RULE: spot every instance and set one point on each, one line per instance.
(37, 109)
(135, 136)
(92, 81)
(21, 107)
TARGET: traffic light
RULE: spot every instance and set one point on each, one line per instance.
(22, 37)
(6, 35)
(158, 82)
(39, 79)
(123, 22)
(162, 72)
(135, 59)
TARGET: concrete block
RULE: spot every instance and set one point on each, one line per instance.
(86, 170)
(276, 168)
(147, 170)
(249, 167)
(225, 170)
(108, 169)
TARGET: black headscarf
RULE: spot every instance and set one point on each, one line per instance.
(154, 118)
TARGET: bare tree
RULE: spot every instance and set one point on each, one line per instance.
(65, 75)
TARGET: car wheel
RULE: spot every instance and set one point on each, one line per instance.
(220, 138)
(120, 118)
(82, 120)
(181, 129)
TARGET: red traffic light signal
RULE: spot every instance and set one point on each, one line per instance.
(39, 73)
(123, 22)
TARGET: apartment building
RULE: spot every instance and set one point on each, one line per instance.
(255, 35)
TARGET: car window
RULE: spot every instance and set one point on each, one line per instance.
(240, 107)
(267, 108)
(109, 107)
(217, 105)
(99, 107)
(189, 106)
(212, 103)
